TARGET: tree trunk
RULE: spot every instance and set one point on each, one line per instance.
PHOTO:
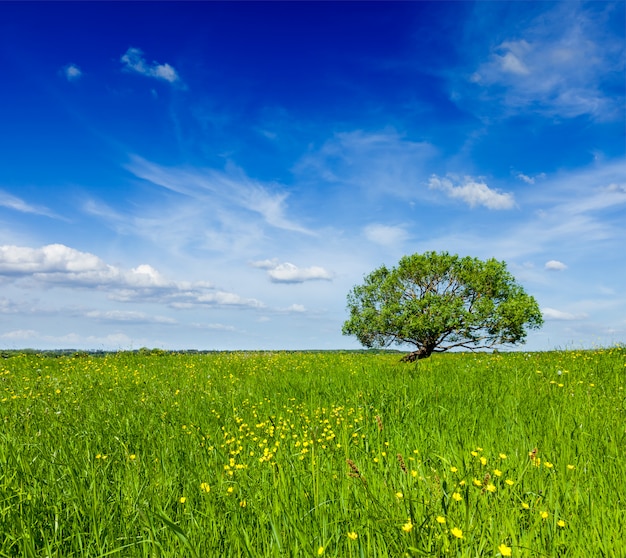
(422, 352)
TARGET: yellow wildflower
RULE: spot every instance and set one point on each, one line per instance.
(504, 550)
(441, 519)
(525, 506)
(544, 515)
(399, 495)
(204, 486)
(320, 551)
(509, 482)
(453, 469)
(560, 523)
(497, 472)
(457, 497)
(182, 499)
(352, 536)
(490, 488)
(502, 455)
(483, 461)
(408, 526)
(457, 532)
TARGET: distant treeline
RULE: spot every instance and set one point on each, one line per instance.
(8, 353)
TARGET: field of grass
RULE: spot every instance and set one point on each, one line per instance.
(313, 454)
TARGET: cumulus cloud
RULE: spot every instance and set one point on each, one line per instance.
(555, 265)
(62, 266)
(290, 273)
(72, 72)
(553, 314)
(385, 235)
(134, 61)
(473, 192)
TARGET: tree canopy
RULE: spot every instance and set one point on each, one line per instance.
(437, 302)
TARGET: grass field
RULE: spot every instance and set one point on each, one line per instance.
(313, 454)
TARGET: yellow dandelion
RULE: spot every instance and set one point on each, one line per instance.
(230, 489)
(483, 461)
(544, 515)
(477, 482)
(497, 472)
(132, 457)
(525, 506)
(453, 469)
(399, 495)
(441, 519)
(408, 526)
(182, 499)
(504, 550)
(502, 455)
(457, 532)
(475, 454)
(561, 523)
(571, 467)
(509, 482)
(457, 497)
(320, 551)
(243, 504)
(353, 536)
(204, 486)
(490, 488)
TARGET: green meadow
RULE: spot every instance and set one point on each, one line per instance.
(313, 454)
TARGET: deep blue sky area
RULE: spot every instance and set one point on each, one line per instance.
(218, 175)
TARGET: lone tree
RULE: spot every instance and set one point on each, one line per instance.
(437, 302)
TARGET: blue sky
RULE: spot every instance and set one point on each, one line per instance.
(219, 175)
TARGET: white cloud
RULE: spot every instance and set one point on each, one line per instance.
(380, 163)
(555, 265)
(385, 235)
(553, 314)
(134, 61)
(127, 317)
(20, 334)
(225, 192)
(558, 65)
(72, 72)
(473, 192)
(59, 265)
(17, 204)
(111, 341)
(290, 273)
(265, 264)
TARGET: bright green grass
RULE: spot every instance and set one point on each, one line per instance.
(286, 454)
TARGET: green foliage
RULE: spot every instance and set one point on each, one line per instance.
(438, 301)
